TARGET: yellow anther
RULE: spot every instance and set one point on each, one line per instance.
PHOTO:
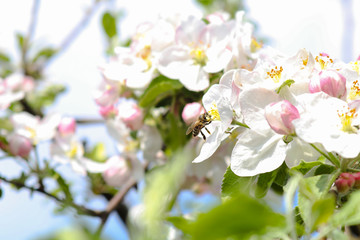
(275, 74)
(214, 112)
(346, 118)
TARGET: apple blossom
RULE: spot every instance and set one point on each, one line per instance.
(108, 111)
(330, 82)
(191, 112)
(7, 96)
(199, 49)
(130, 114)
(19, 145)
(67, 126)
(279, 115)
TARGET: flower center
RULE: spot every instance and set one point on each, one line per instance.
(199, 56)
(73, 150)
(323, 60)
(255, 45)
(275, 74)
(145, 54)
(346, 118)
(355, 66)
(354, 91)
(214, 112)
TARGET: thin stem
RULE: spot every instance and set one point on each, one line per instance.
(333, 161)
(113, 203)
(81, 209)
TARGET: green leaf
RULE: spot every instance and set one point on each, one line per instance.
(159, 88)
(1, 192)
(305, 167)
(321, 211)
(175, 136)
(264, 183)
(45, 97)
(349, 214)
(44, 54)
(62, 185)
(237, 218)
(4, 57)
(20, 40)
(181, 223)
(286, 83)
(232, 184)
(338, 235)
(97, 153)
(109, 24)
(325, 169)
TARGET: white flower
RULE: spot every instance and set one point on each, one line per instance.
(200, 49)
(34, 128)
(331, 122)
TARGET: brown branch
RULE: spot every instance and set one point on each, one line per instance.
(80, 208)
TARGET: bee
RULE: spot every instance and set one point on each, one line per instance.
(196, 127)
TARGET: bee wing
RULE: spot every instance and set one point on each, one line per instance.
(191, 127)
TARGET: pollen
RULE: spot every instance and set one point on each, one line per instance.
(323, 60)
(255, 45)
(355, 66)
(354, 93)
(199, 56)
(275, 74)
(346, 118)
(73, 150)
(145, 54)
(214, 112)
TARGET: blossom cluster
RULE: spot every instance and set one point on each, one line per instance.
(294, 109)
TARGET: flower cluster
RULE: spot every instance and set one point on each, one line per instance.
(295, 108)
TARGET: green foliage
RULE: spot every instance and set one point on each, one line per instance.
(97, 153)
(232, 184)
(6, 124)
(349, 214)
(4, 58)
(288, 83)
(305, 167)
(20, 40)
(40, 99)
(240, 217)
(264, 183)
(44, 54)
(109, 24)
(158, 89)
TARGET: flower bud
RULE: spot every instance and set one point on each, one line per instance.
(131, 115)
(108, 111)
(67, 126)
(191, 112)
(345, 182)
(118, 172)
(19, 145)
(357, 180)
(330, 82)
(280, 115)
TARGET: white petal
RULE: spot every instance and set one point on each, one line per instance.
(255, 153)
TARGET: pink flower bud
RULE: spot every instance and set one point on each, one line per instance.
(118, 172)
(67, 126)
(191, 112)
(280, 115)
(131, 115)
(345, 182)
(19, 145)
(108, 111)
(357, 180)
(107, 94)
(330, 82)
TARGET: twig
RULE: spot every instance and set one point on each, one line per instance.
(80, 208)
(114, 202)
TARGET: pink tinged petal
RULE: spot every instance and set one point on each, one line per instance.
(252, 103)
(279, 116)
(108, 111)
(330, 82)
(256, 153)
(67, 126)
(191, 112)
(19, 145)
(131, 115)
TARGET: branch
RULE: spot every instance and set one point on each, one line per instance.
(80, 208)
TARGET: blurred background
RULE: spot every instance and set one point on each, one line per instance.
(331, 26)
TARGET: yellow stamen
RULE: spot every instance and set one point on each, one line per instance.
(199, 56)
(255, 45)
(275, 74)
(73, 150)
(354, 93)
(145, 54)
(323, 60)
(214, 112)
(346, 118)
(355, 66)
